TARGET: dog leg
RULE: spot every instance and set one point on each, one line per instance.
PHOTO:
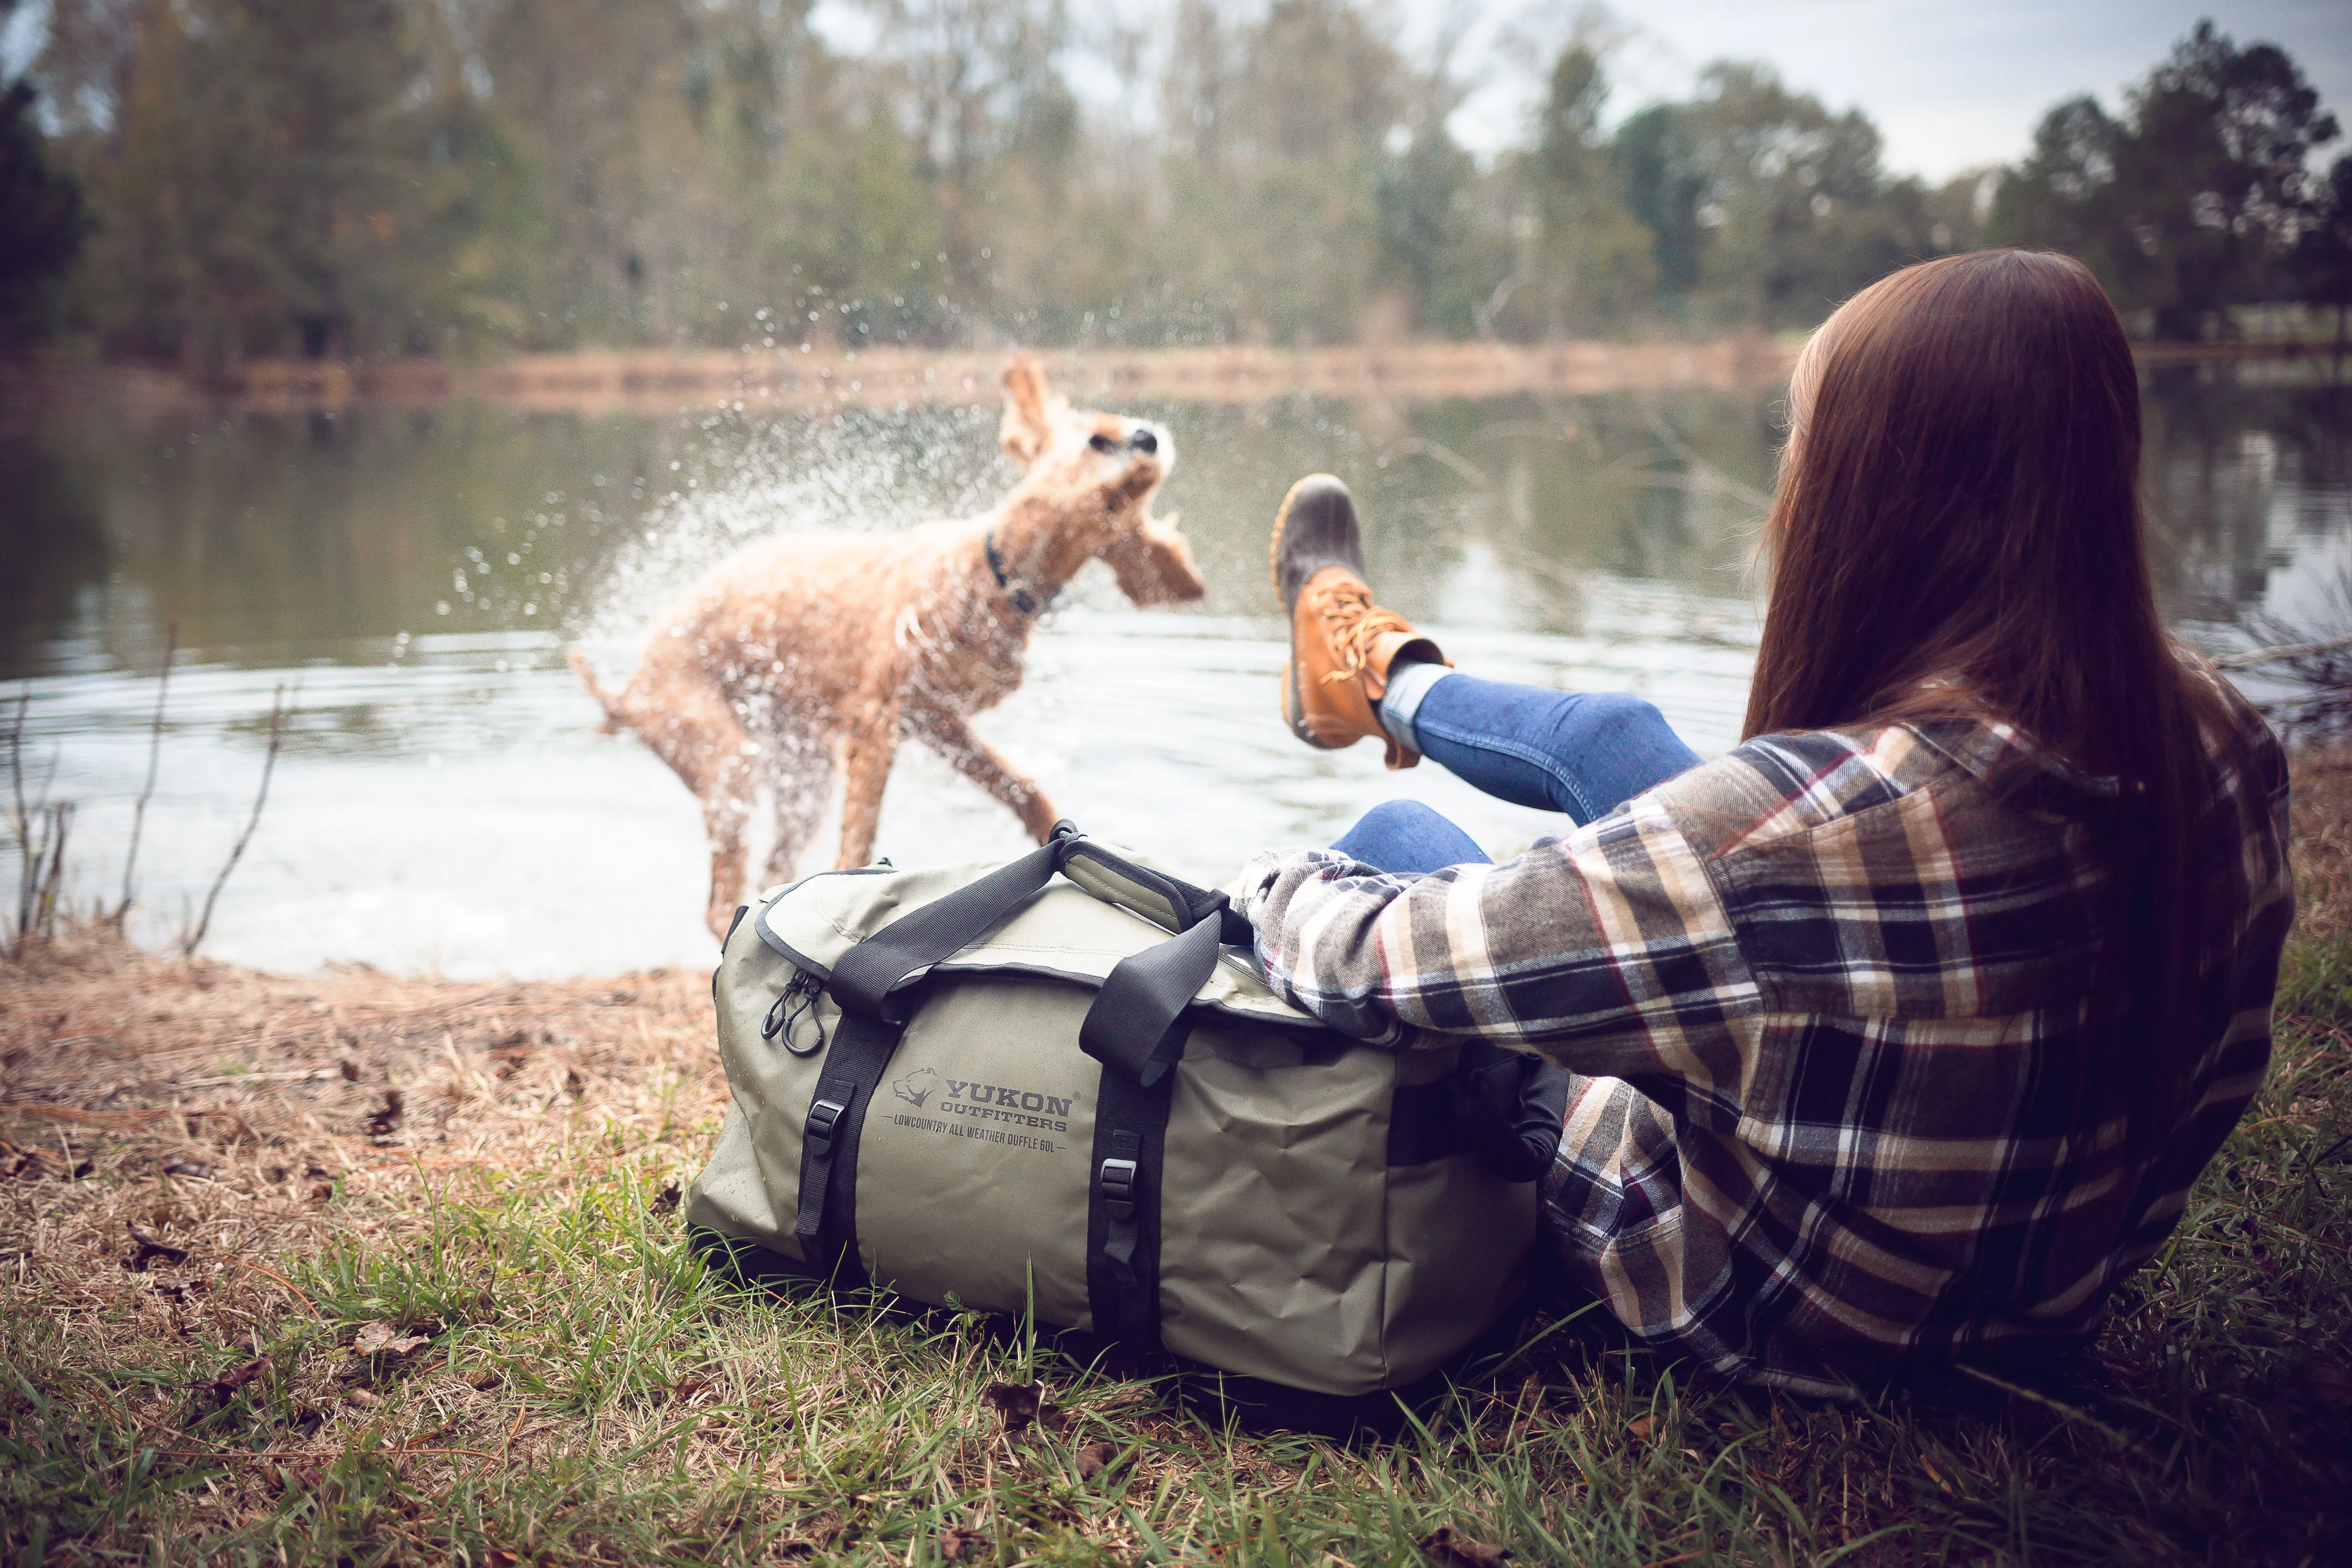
(950, 734)
(801, 775)
(867, 750)
(699, 736)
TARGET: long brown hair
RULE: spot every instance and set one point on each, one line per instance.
(1958, 531)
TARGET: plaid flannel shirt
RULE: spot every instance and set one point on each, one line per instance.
(1826, 993)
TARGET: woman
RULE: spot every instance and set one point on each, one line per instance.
(1907, 1025)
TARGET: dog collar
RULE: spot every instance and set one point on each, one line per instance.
(1023, 599)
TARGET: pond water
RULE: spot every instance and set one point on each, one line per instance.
(412, 580)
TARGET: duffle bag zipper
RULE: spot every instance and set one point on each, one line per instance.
(797, 1001)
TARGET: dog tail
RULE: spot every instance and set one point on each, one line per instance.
(614, 716)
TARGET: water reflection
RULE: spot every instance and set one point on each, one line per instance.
(444, 804)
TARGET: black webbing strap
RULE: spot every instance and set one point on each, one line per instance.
(826, 1227)
(1137, 1023)
(871, 977)
(1123, 1208)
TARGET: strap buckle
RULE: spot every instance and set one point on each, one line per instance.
(821, 1118)
(1116, 1180)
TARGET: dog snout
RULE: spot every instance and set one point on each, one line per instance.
(1144, 440)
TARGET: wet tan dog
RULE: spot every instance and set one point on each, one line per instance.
(802, 656)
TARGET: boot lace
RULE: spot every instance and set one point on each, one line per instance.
(1353, 624)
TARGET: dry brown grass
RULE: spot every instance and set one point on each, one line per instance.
(112, 1054)
(2323, 845)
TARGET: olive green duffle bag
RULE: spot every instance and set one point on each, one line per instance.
(1012, 1089)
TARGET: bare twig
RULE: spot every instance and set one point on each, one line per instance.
(39, 828)
(154, 755)
(16, 761)
(2252, 658)
(1440, 452)
(277, 713)
(45, 910)
(20, 822)
(1707, 473)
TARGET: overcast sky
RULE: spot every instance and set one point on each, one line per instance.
(1951, 83)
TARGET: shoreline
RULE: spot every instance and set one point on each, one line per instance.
(667, 381)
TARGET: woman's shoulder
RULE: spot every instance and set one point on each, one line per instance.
(1774, 787)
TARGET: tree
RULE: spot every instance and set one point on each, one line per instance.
(1664, 182)
(2322, 261)
(2190, 203)
(42, 220)
(1793, 200)
(1593, 261)
(2215, 173)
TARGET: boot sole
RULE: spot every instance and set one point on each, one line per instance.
(1351, 556)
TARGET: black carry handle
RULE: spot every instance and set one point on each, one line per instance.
(1133, 1025)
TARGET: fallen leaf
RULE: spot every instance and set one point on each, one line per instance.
(1095, 1459)
(381, 1124)
(319, 1192)
(573, 1084)
(1450, 1546)
(1641, 1426)
(500, 1557)
(1022, 1405)
(666, 1202)
(188, 1169)
(686, 1388)
(350, 1069)
(146, 1250)
(227, 1383)
(956, 1543)
(380, 1338)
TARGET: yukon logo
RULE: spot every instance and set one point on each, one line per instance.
(994, 1114)
(1019, 1100)
(916, 1088)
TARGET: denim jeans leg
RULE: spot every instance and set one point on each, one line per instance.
(1409, 840)
(1582, 753)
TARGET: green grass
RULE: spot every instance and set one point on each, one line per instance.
(590, 1392)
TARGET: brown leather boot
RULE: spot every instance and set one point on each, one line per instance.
(1341, 644)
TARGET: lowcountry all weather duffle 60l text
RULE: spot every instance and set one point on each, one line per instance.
(971, 1083)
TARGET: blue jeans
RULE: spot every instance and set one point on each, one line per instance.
(1582, 753)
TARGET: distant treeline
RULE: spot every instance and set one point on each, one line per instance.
(203, 182)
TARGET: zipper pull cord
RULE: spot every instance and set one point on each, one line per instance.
(797, 1000)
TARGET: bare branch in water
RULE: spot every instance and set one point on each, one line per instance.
(20, 821)
(2255, 658)
(40, 828)
(2315, 656)
(52, 883)
(277, 716)
(37, 829)
(154, 756)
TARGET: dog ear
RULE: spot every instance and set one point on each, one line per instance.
(1153, 564)
(1029, 409)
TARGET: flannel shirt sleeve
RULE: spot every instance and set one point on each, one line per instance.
(1608, 950)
